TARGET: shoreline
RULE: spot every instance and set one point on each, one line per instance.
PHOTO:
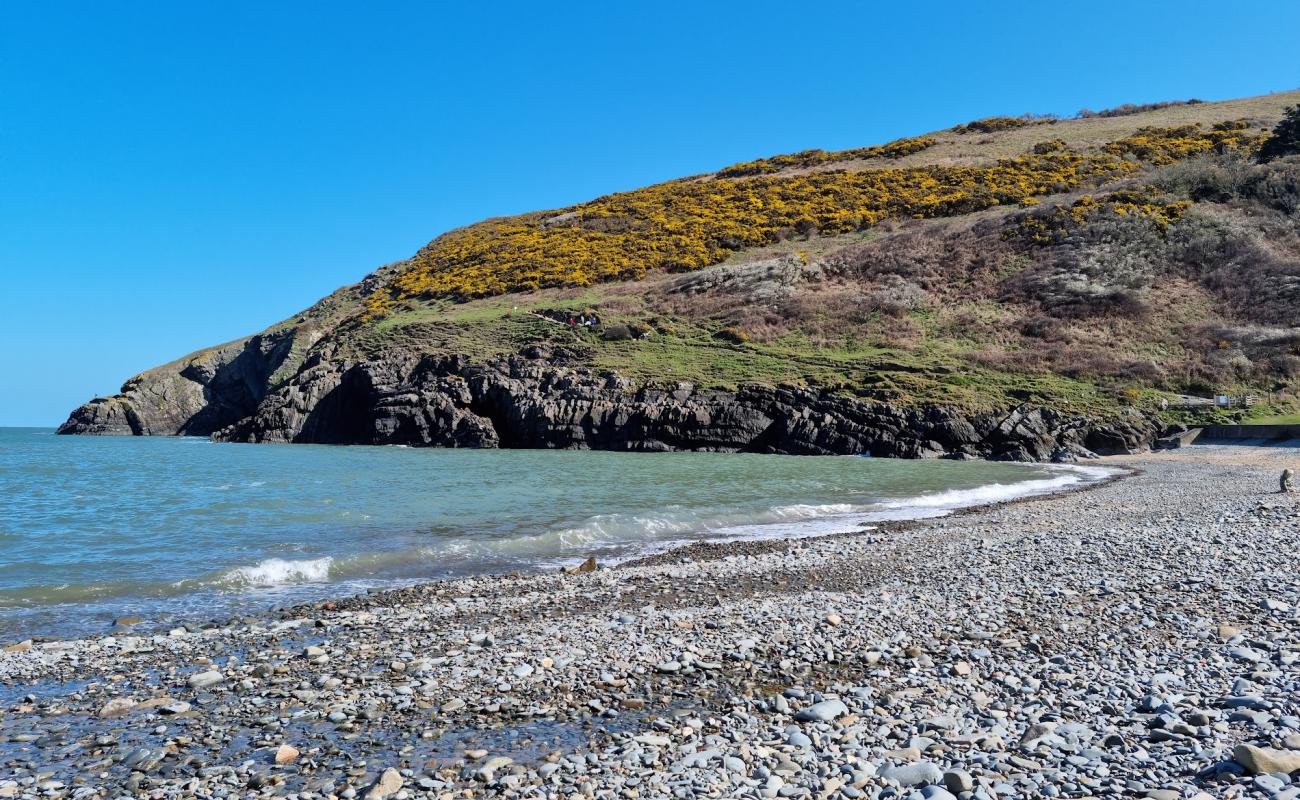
(656, 553)
(699, 552)
(1122, 640)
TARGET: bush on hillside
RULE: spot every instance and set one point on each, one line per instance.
(813, 158)
(993, 125)
(1049, 146)
(1231, 178)
(895, 296)
(1252, 263)
(1102, 265)
(1127, 109)
(732, 335)
(1056, 224)
(1049, 329)
(941, 258)
(617, 333)
(623, 331)
(1167, 145)
(1285, 140)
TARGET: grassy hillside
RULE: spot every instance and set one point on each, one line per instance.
(1090, 264)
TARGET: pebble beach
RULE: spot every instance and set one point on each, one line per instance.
(1140, 638)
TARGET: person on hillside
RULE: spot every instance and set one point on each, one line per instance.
(1287, 481)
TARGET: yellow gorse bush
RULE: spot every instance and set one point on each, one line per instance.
(1049, 226)
(1160, 146)
(691, 224)
(811, 158)
(994, 124)
(687, 226)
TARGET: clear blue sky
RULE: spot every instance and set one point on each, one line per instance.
(177, 174)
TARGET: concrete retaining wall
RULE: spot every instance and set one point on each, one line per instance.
(1220, 433)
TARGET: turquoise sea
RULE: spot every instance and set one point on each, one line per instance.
(182, 529)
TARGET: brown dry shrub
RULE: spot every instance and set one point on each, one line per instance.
(1104, 266)
(618, 305)
(1251, 261)
(965, 326)
(894, 296)
(1071, 361)
(1078, 362)
(761, 323)
(1234, 178)
(1127, 109)
(944, 258)
(1048, 329)
(903, 333)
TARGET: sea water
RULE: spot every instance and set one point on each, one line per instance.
(183, 529)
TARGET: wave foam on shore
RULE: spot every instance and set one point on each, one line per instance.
(279, 572)
(303, 572)
(1070, 476)
(623, 537)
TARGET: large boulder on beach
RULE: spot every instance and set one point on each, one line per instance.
(206, 680)
(1266, 760)
(390, 781)
(117, 707)
(825, 711)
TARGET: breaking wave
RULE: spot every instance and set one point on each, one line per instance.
(1001, 492)
(278, 572)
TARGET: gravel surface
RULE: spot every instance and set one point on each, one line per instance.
(1139, 639)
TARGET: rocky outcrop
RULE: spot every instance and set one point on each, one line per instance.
(543, 399)
(211, 389)
(535, 400)
(193, 396)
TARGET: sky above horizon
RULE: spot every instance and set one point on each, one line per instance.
(176, 175)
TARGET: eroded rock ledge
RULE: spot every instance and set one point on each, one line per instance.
(536, 400)
(533, 401)
(192, 396)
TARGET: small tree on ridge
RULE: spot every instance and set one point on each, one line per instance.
(1285, 140)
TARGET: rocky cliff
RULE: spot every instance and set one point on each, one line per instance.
(208, 390)
(536, 400)
(191, 397)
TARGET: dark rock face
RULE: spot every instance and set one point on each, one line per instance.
(535, 401)
(194, 396)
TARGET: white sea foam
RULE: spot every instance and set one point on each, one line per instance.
(673, 522)
(625, 536)
(630, 536)
(805, 510)
(619, 537)
(1001, 492)
(279, 572)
